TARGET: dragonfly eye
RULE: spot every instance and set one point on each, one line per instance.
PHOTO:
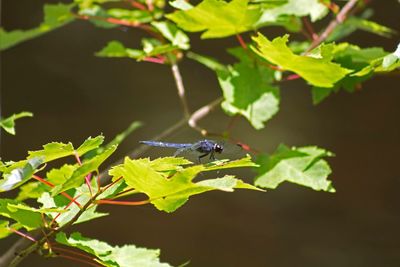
(218, 148)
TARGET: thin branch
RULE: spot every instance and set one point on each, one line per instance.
(26, 236)
(340, 18)
(181, 89)
(201, 113)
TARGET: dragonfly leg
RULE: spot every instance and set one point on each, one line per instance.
(202, 156)
(179, 151)
(212, 156)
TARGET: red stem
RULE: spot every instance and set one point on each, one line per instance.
(241, 41)
(124, 203)
(66, 207)
(138, 5)
(23, 235)
(111, 184)
(292, 77)
(309, 28)
(52, 185)
(154, 60)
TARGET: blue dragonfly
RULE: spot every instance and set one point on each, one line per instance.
(203, 147)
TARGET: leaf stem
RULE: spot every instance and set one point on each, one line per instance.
(52, 185)
(22, 234)
(241, 41)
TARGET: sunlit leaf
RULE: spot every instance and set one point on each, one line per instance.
(217, 18)
(177, 37)
(170, 192)
(88, 166)
(303, 166)
(90, 144)
(113, 256)
(52, 151)
(317, 71)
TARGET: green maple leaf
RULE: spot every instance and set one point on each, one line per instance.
(55, 16)
(170, 189)
(113, 256)
(303, 166)
(217, 18)
(320, 72)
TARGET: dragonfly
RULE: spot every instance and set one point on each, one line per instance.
(203, 147)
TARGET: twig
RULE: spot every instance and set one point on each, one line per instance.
(201, 113)
(181, 89)
(341, 16)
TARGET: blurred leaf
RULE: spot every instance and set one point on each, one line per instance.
(209, 62)
(170, 192)
(116, 49)
(133, 16)
(26, 218)
(119, 138)
(303, 166)
(320, 93)
(317, 71)
(248, 90)
(181, 4)
(177, 37)
(55, 15)
(298, 8)
(386, 63)
(8, 123)
(126, 256)
(5, 228)
(356, 23)
(217, 18)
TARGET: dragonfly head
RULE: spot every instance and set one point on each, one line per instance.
(218, 148)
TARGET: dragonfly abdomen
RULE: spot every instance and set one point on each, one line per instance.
(165, 144)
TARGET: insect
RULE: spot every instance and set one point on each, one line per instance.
(203, 147)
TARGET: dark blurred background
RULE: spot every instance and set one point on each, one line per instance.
(74, 94)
